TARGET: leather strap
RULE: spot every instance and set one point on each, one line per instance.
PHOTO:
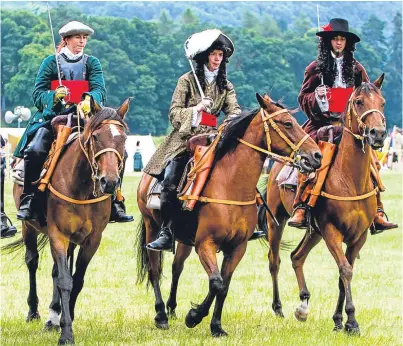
(217, 201)
(76, 201)
(349, 198)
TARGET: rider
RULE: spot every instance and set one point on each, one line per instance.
(37, 139)
(335, 67)
(168, 162)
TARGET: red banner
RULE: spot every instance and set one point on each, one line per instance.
(338, 98)
(76, 88)
(208, 119)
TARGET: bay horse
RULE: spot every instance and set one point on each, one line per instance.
(89, 167)
(344, 214)
(224, 226)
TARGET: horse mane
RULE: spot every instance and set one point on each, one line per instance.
(366, 88)
(106, 113)
(235, 129)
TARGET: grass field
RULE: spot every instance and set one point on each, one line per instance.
(112, 310)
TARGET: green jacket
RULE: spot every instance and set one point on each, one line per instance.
(43, 96)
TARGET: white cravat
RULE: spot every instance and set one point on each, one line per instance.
(210, 75)
(69, 54)
(338, 81)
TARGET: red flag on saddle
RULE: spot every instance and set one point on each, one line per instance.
(76, 88)
(208, 119)
(338, 98)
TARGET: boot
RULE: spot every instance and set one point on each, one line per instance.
(257, 235)
(164, 242)
(381, 221)
(34, 157)
(298, 219)
(6, 230)
(118, 212)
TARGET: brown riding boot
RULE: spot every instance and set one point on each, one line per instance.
(298, 219)
(381, 220)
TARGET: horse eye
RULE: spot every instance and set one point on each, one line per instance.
(288, 125)
(359, 103)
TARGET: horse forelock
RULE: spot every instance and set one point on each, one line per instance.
(234, 129)
(366, 88)
(106, 113)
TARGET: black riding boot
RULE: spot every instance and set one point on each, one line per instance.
(34, 157)
(169, 204)
(118, 208)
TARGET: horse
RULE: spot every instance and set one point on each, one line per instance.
(88, 167)
(227, 224)
(345, 211)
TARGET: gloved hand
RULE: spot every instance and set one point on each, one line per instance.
(205, 105)
(321, 91)
(60, 93)
(86, 105)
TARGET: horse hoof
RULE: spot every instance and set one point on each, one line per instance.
(218, 332)
(279, 313)
(172, 314)
(300, 316)
(192, 319)
(162, 325)
(49, 327)
(33, 316)
(66, 340)
(352, 331)
(338, 328)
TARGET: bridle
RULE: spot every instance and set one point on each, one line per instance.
(267, 122)
(351, 111)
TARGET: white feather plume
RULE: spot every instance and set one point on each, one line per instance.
(200, 42)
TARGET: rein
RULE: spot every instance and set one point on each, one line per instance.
(283, 159)
(93, 164)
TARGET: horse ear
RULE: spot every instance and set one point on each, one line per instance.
(379, 81)
(260, 99)
(124, 108)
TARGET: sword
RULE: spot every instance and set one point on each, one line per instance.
(267, 208)
(197, 80)
(54, 47)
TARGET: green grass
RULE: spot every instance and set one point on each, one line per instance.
(112, 310)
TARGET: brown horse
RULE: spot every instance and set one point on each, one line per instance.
(223, 226)
(336, 220)
(89, 167)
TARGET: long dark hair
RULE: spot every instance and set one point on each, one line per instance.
(202, 59)
(327, 64)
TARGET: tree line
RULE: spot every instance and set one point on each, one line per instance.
(144, 59)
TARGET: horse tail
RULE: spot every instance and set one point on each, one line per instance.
(18, 245)
(143, 261)
(262, 218)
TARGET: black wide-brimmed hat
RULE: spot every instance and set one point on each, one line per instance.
(337, 26)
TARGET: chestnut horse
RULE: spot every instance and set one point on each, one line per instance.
(89, 167)
(336, 221)
(222, 226)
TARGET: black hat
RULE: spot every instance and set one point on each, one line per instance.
(337, 26)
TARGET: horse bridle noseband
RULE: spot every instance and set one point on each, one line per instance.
(267, 122)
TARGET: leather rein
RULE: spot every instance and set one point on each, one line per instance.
(284, 159)
(88, 150)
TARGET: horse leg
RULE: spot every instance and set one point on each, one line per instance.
(161, 318)
(85, 254)
(64, 281)
(351, 326)
(53, 323)
(334, 240)
(208, 257)
(229, 264)
(31, 259)
(182, 253)
(275, 234)
(298, 257)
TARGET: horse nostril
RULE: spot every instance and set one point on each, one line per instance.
(372, 132)
(102, 181)
(318, 155)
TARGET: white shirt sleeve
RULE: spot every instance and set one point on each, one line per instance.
(323, 103)
(196, 117)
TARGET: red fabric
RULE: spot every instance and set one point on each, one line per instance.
(76, 88)
(208, 119)
(338, 98)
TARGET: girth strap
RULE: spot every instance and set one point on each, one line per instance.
(76, 201)
(217, 201)
(349, 198)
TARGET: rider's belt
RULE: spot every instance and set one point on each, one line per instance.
(338, 98)
(76, 88)
(208, 119)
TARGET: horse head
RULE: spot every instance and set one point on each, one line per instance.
(365, 113)
(285, 137)
(104, 144)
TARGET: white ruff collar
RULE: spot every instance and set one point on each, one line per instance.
(69, 54)
(210, 75)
